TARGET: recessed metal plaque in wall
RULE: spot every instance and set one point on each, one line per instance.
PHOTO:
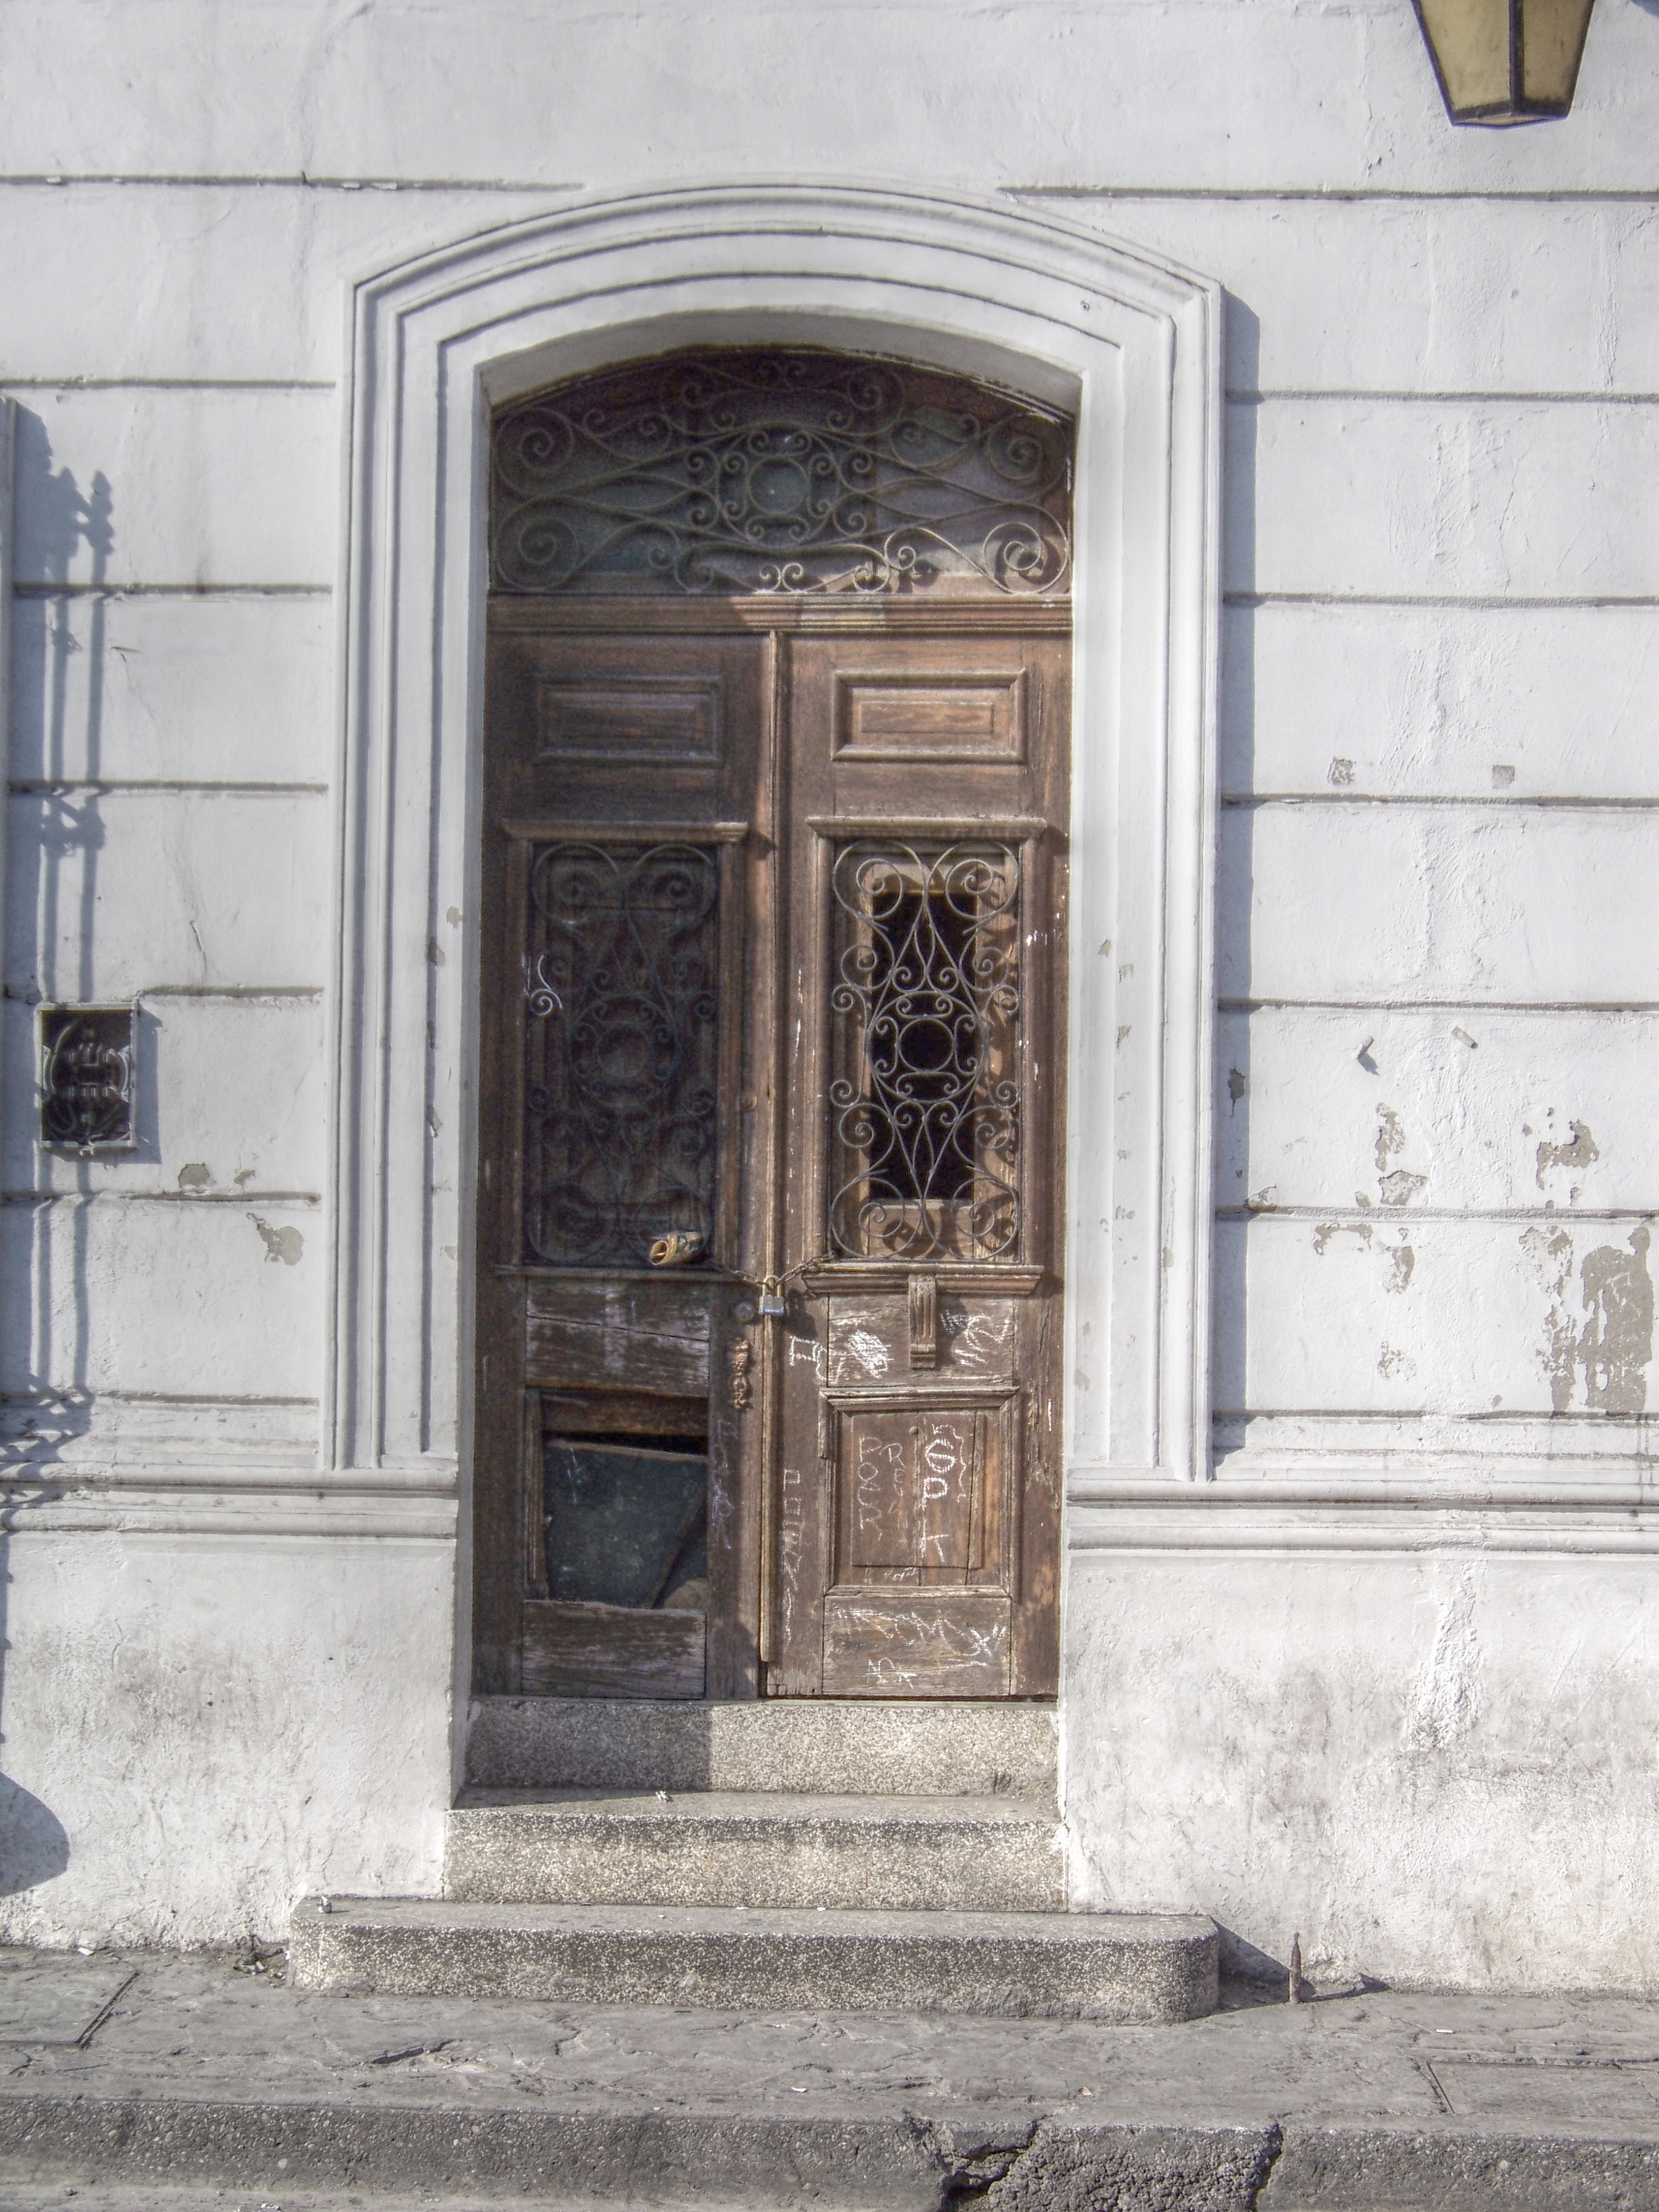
(88, 1055)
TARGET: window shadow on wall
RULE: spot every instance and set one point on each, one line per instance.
(64, 537)
(1235, 876)
(34, 1844)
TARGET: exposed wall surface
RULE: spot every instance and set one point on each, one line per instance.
(1392, 1680)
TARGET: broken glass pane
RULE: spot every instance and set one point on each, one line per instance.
(626, 1523)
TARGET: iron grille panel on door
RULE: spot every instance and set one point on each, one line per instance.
(786, 472)
(924, 1093)
(621, 1038)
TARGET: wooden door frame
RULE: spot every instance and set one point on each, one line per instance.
(1015, 296)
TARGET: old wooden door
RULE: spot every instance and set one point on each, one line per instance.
(771, 1109)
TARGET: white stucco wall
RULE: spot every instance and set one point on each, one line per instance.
(1390, 1681)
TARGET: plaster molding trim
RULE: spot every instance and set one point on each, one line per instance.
(1609, 1520)
(234, 1512)
(1019, 294)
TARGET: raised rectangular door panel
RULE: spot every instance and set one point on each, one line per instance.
(916, 1643)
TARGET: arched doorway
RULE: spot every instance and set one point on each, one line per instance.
(772, 1051)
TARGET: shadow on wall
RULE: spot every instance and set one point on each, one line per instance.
(1236, 774)
(53, 896)
(46, 1401)
(33, 1846)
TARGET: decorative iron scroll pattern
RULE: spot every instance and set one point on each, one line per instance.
(620, 1100)
(787, 472)
(924, 1089)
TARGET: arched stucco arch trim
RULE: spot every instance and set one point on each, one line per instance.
(1042, 304)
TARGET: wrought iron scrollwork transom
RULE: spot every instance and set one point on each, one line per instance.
(924, 1092)
(780, 471)
(621, 1050)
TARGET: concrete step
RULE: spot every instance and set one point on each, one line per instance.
(848, 1747)
(1095, 1966)
(720, 1847)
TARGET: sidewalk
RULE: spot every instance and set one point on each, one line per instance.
(131, 2081)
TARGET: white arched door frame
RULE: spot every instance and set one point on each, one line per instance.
(1032, 302)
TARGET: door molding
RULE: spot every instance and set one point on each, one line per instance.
(1021, 297)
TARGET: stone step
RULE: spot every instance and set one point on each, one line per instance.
(1094, 1966)
(720, 1847)
(847, 1747)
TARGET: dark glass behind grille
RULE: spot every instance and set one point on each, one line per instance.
(626, 1523)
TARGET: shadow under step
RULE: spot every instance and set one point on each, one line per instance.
(781, 1850)
(1094, 1966)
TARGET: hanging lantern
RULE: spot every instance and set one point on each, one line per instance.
(1505, 61)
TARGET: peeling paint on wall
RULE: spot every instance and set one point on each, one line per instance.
(280, 1244)
(1615, 1345)
(1580, 1150)
(1617, 1340)
(1398, 1186)
(1402, 1258)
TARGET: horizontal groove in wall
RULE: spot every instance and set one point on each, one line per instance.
(24, 589)
(26, 787)
(108, 1195)
(1270, 395)
(1576, 196)
(1476, 1005)
(1266, 194)
(1498, 603)
(1576, 1427)
(296, 181)
(1087, 1487)
(277, 1479)
(166, 384)
(193, 1397)
(236, 991)
(1504, 802)
(1395, 1217)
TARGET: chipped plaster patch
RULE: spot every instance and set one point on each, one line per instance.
(1615, 1344)
(280, 1244)
(1580, 1150)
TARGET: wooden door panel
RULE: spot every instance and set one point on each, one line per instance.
(919, 1384)
(908, 1484)
(974, 718)
(623, 1333)
(870, 1339)
(610, 1650)
(916, 1643)
(624, 780)
(883, 1458)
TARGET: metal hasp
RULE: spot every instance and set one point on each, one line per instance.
(88, 1057)
(1505, 61)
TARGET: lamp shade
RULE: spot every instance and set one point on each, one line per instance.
(1505, 61)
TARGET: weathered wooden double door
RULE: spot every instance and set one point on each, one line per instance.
(772, 1036)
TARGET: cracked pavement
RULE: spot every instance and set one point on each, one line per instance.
(190, 2073)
